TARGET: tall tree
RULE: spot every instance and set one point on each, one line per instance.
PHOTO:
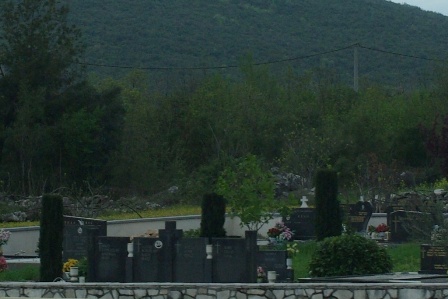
(51, 120)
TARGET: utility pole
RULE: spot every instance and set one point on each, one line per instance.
(355, 68)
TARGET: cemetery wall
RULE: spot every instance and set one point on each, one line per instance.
(224, 291)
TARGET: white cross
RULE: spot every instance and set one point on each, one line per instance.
(304, 201)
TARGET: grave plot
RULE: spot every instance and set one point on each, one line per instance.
(79, 236)
(302, 222)
(109, 260)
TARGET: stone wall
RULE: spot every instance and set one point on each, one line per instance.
(224, 291)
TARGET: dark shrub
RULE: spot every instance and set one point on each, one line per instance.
(349, 255)
(213, 216)
(328, 217)
(50, 239)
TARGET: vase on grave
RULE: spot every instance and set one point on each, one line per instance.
(289, 263)
(272, 276)
(74, 271)
(259, 279)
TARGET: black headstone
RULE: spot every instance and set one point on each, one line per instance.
(169, 237)
(274, 260)
(433, 259)
(396, 220)
(110, 259)
(79, 236)
(148, 260)
(229, 260)
(302, 222)
(359, 215)
(191, 254)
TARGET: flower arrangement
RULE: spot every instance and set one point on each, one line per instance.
(260, 272)
(382, 228)
(68, 264)
(3, 264)
(280, 232)
(4, 236)
(82, 266)
(371, 229)
(292, 249)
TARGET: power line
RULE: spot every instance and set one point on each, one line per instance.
(400, 54)
(262, 63)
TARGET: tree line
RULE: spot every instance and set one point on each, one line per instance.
(60, 127)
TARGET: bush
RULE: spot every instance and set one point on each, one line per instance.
(349, 255)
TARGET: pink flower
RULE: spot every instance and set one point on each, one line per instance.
(3, 263)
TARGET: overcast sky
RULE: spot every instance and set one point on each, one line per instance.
(440, 6)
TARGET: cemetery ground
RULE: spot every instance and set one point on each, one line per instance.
(406, 258)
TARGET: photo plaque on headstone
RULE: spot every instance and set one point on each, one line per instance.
(79, 236)
(148, 260)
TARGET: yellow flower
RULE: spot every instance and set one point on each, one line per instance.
(69, 263)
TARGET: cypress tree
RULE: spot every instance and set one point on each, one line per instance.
(213, 216)
(50, 239)
(328, 215)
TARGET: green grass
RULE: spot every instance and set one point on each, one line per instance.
(405, 257)
(25, 273)
(150, 213)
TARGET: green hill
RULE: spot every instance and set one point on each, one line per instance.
(204, 33)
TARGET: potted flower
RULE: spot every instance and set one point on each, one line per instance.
(4, 238)
(3, 264)
(279, 234)
(292, 250)
(261, 274)
(70, 268)
(82, 269)
(381, 230)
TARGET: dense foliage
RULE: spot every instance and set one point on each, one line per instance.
(60, 128)
(249, 190)
(349, 255)
(55, 128)
(203, 33)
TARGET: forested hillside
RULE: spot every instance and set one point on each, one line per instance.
(67, 131)
(202, 33)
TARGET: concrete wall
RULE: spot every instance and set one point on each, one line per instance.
(225, 291)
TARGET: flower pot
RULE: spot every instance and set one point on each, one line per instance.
(272, 241)
(259, 279)
(272, 276)
(82, 279)
(74, 271)
(289, 263)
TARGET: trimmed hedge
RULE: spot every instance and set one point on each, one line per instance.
(349, 255)
(50, 239)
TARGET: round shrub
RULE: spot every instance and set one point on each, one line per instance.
(349, 255)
